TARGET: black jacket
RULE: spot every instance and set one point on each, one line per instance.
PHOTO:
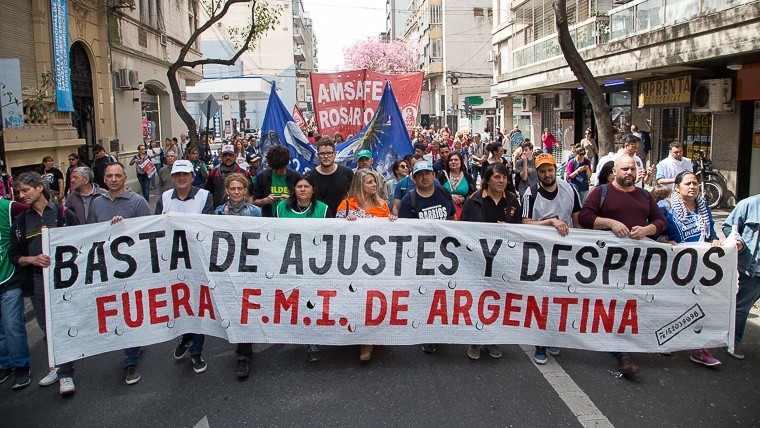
(472, 210)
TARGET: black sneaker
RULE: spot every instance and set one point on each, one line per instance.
(181, 350)
(243, 368)
(312, 353)
(131, 375)
(199, 364)
(428, 348)
(5, 374)
(23, 378)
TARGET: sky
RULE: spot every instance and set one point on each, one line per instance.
(340, 23)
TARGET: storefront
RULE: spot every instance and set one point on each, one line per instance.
(748, 95)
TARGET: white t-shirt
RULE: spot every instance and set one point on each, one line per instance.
(670, 167)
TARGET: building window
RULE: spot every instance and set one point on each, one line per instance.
(150, 14)
(436, 48)
(301, 93)
(435, 14)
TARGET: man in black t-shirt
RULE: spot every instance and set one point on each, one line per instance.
(332, 180)
(427, 202)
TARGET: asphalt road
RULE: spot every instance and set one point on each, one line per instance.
(401, 386)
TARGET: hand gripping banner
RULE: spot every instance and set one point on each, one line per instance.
(337, 282)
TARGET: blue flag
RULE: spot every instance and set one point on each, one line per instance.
(385, 135)
(279, 128)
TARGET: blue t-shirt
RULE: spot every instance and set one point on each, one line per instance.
(436, 207)
(689, 230)
(580, 181)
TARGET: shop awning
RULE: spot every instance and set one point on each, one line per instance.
(238, 88)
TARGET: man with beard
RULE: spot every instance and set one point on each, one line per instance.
(627, 211)
(331, 180)
(550, 203)
(216, 177)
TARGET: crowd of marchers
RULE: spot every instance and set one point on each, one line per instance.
(448, 178)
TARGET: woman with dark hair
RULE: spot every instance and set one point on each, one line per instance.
(142, 177)
(156, 155)
(605, 173)
(302, 202)
(494, 203)
(400, 170)
(275, 183)
(74, 162)
(54, 176)
(689, 219)
(456, 180)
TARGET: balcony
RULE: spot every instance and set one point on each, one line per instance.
(298, 36)
(647, 15)
(585, 35)
(298, 54)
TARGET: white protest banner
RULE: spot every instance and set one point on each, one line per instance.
(338, 282)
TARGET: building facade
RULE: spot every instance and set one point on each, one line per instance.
(284, 55)
(454, 45)
(679, 69)
(396, 15)
(118, 53)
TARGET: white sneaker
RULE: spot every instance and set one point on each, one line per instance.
(50, 379)
(66, 386)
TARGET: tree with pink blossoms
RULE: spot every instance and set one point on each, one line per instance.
(377, 55)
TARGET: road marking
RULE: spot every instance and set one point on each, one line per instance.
(203, 423)
(575, 399)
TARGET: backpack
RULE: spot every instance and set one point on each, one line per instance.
(413, 197)
(604, 190)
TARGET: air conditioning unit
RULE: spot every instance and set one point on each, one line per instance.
(713, 96)
(128, 79)
(529, 103)
(163, 39)
(563, 100)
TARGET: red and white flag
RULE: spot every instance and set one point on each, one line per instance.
(298, 117)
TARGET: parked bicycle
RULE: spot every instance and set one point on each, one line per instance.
(712, 184)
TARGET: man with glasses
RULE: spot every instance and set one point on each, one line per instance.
(332, 180)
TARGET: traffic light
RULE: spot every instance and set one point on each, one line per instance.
(242, 110)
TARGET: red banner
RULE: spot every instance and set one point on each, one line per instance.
(298, 117)
(346, 101)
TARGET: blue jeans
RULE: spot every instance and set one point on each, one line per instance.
(197, 347)
(14, 348)
(749, 292)
(144, 185)
(131, 356)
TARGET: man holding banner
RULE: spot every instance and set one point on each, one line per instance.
(120, 203)
(187, 199)
(628, 211)
(26, 251)
(427, 201)
(554, 203)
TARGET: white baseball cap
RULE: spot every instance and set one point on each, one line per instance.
(182, 165)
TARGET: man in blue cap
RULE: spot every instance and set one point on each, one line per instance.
(428, 201)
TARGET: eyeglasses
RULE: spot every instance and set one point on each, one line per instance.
(325, 154)
(404, 166)
(71, 159)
